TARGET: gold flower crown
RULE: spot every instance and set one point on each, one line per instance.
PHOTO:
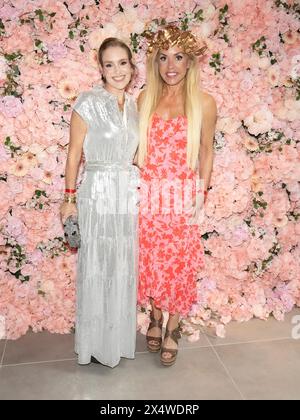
(171, 35)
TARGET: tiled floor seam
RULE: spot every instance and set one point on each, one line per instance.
(208, 345)
(3, 352)
(265, 340)
(227, 372)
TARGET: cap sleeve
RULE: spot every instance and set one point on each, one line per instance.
(82, 106)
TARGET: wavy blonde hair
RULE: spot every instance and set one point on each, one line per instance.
(192, 109)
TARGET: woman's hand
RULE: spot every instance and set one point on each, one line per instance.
(66, 210)
(196, 211)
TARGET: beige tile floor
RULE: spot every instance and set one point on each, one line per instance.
(256, 360)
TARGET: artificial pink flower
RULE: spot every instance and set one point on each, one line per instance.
(19, 168)
(290, 37)
(260, 121)
(68, 89)
(194, 337)
(10, 106)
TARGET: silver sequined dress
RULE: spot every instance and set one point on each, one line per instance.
(107, 213)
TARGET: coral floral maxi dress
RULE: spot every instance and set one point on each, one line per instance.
(171, 253)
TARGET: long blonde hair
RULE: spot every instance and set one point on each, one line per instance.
(192, 109)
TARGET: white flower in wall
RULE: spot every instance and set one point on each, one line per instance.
(36, 148)
(195, 336)
(228, 125)
(292, 109)
(251, 144)
(2, 328)
(68, 89)
(30, 159)
(209, 11)
(128, 22)
(97, 36)
(142, 322)
(48, 177)
(258, 310)
(295, 72)
(259, 122)
(290, 37)
(220, 141)
(19, 168)
(263, 63)
(206, 29)
(3, 67)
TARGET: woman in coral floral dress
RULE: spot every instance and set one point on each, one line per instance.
(177, 123)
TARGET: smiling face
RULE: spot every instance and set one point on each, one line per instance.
(116, 68)
(173, 65)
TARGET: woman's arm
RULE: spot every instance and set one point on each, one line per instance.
(140, 99)
(139, 103)
(78, 130)
(207, 138)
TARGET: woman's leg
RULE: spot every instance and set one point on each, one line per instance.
(169, 343)
(155, 331)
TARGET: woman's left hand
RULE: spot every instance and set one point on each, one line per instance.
(196, 211)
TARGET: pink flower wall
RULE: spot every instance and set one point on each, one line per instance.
(251, 231)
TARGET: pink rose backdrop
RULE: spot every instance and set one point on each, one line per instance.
(251, 231)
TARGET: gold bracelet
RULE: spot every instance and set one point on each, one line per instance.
(70, 199)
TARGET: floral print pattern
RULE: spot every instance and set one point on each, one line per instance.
(171, 252)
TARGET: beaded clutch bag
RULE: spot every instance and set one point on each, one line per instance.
(71, 231)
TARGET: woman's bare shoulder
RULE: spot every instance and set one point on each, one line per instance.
(140, 98)
(208, 100)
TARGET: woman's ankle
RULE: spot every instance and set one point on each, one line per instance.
(173, 322)
(156, 313)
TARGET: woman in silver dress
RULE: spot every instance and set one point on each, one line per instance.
(104, 127)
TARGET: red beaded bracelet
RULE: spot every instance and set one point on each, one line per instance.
(69, 190)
